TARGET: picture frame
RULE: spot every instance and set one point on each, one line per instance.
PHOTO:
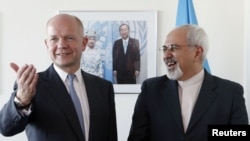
(143, 26)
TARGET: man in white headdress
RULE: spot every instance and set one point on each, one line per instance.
(92, 61)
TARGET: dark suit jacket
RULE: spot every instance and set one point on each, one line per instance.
(126, 64)
(157, 113)
(53, 116)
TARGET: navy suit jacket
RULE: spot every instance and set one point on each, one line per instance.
(157, 113)
(53, 116)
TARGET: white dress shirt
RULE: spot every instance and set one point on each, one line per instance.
(188, 93)
(125, 45)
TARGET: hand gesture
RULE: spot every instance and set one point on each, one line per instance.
(26, 81)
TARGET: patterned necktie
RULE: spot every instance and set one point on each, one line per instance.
(76, 100)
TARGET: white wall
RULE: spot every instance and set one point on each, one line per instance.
(246, 76)
(22, 32)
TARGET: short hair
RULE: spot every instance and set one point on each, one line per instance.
(124, 24)
(80, 24)
(78, 21)
(196, 36)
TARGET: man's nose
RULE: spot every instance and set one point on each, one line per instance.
(62, 43)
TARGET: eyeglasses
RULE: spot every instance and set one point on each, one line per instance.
(172, 47)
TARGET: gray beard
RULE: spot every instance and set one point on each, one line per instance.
(175, 73)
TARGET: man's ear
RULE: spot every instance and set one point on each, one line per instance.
(46, 43)
(84, 43)
(198, 53)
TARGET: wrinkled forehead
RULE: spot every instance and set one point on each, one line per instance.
(176, 36)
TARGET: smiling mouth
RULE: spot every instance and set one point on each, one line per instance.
(62, 54)
(170, 63)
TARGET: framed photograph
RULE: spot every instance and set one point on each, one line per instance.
(126, 62)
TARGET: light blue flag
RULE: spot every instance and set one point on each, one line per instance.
(186, 15)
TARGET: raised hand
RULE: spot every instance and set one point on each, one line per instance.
(26, 80)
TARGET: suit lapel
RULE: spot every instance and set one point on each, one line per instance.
(204, 100)
(90, 89)
(171, 96)
(94, 103)
(61, 97)
(129, 47)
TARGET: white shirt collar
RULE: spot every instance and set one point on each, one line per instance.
(195, 79)
(125, 39)
(63, 75)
